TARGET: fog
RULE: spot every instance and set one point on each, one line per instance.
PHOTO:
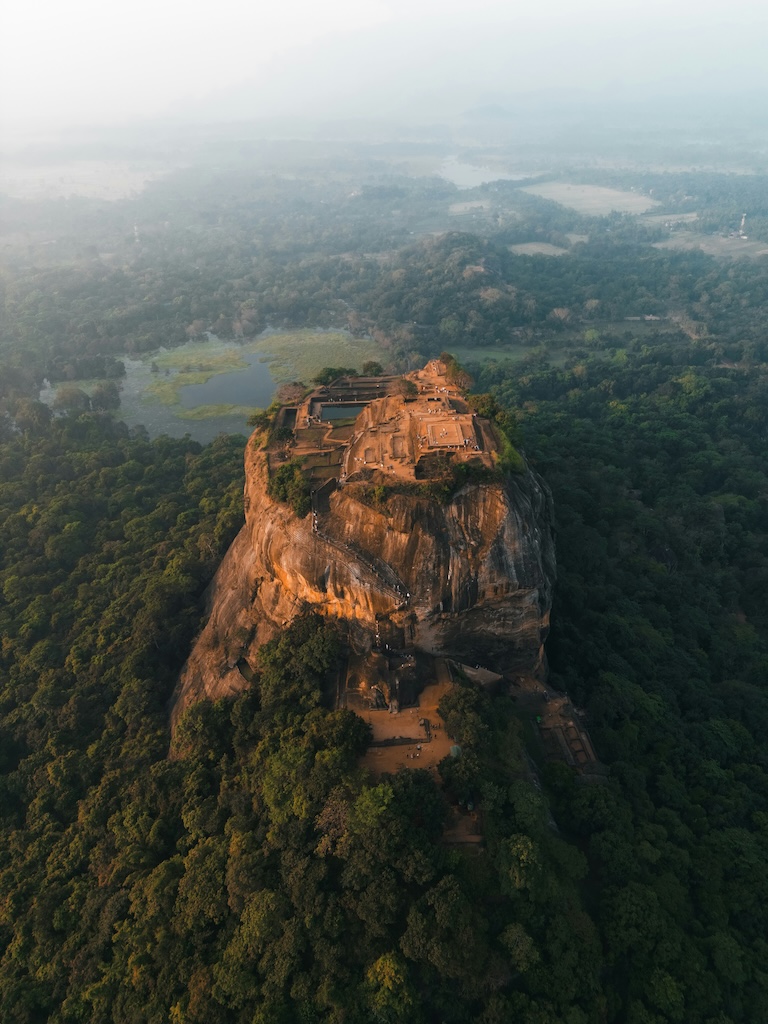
(86, 62)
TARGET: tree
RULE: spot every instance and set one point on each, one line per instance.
(106, 395)
(390, 996)
(288, 483)
(289, 393)
(331, 373)
(32, 417)
(71, 399)
(404, 387)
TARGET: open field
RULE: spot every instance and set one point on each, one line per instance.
(716, 245)
(538, 249)
(591, 199)
(299, 355)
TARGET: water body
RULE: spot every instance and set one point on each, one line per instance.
(244, 388)
(465, 175)
(138, 406)
(252, 386)
(341, 412)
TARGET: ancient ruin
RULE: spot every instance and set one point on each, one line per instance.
(386, 429)
(413, 537)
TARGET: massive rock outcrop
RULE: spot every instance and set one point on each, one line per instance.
(469, 576)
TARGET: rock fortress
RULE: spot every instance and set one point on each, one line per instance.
(408, 532)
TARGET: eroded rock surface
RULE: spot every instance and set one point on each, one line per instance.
(469, 577)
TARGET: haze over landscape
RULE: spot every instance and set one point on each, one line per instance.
(384, 512)
(87, 63)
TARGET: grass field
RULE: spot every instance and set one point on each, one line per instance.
(670, 218)
(207, 412)
(538, 249)
(591, 199)
(299, 355)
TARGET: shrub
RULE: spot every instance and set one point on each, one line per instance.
(289, 484)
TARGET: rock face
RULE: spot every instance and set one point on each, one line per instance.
(469, 578)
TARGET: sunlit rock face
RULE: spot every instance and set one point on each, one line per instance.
(469, 578)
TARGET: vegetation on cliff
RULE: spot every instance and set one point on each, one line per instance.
(289, 483)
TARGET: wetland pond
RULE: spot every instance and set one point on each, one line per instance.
(207, 387)
(466, 175)
(250, 386)
(200, 388)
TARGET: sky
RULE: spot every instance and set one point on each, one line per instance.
(77, 62)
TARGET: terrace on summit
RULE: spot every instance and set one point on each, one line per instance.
(386, 429)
